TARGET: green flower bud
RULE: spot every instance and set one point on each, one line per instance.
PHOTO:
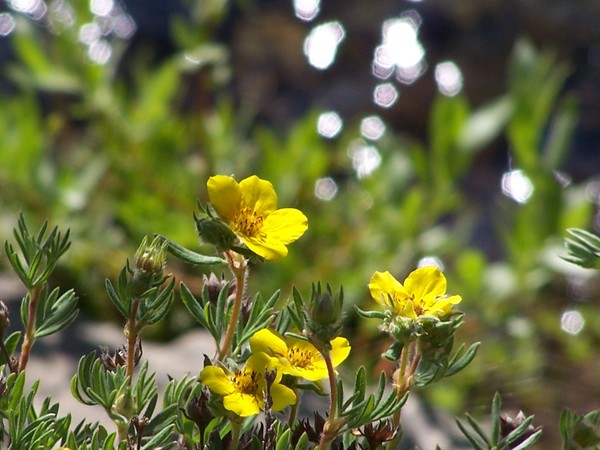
(215, 232)
(402, 329)
(124, 404)
(323, 315)
(436, 335)
(152, 257)
(150, 261)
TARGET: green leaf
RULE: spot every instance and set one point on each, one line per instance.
(472, 438)
(10, 343)
(529, 441)
(496, 403)
(221, 308)
(459, 361)
(16, 392)
(302, 442)
(191, 257)
(193, 305)
(369, 314)
(62, 313)
(284, 441)
(485, 124)
(116, 299)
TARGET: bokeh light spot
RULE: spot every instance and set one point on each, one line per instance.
(449, 78)
(325, 188)
(372, 128)
(123, 26)
(572, 322)
(89, 33)
(307, 9)
(321, 44)
(385, 95)
(400, 49)
(7, 24)
(101, 7)
(329, 124)
(517, 185)
(100, 51)
(365, 158)
(35, 8)
(431, 261)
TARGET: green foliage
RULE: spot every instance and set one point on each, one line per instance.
(583, 248)
(120, 149)
(580, 431)
(506, 434)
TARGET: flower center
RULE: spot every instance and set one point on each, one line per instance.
(418, 305)
(246, 381)
(248, 222)
(300, 358)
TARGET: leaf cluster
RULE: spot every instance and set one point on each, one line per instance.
(520, 436)
(583, 248)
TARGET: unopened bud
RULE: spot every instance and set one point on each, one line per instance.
(124, 404)
(215, 232)
(198, 412)
(435, 335)
(508, 424)
(151, 256)
(324, 316)
(214, 285)
(324, 310)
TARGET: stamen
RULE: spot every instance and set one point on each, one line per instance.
(248, 222)
(300, 358)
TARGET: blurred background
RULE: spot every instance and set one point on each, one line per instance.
(460, 133)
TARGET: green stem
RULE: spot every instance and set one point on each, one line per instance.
(131, 333)
(238, 266)
(332, 426)
(403, 384)
(236, 429)
(34, 298)
(294, 408)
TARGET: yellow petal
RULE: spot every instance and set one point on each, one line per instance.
(285, 225)
(408, 310)
(340, 349)
(383, 286)
(269, 342)
(260, 361)
(282, 396)
(265, 247)
(443, 305)
(225, 196)
(242, 404)
(217, 380)
(317, 371)
(258, 195)
(425, 281)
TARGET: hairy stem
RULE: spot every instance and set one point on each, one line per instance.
(238, 266)
(34, 298)
(332, 426)
(403, 381)
(131, 333)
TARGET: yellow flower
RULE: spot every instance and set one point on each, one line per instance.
(250, 210)
(297, 357)
(243, 391)
(423, 293)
